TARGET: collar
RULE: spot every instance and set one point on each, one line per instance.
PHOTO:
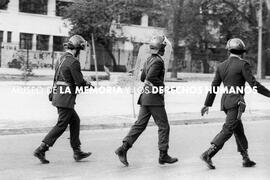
(70, 52)
(160, 57)
(234, 55)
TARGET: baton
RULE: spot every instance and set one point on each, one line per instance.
(241, 109)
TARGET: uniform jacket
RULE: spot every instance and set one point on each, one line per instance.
(70, 72)
(233, 72)
(153, 73)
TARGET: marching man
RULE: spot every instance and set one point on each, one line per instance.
(67, 77)
(151, 104)
(234, 73)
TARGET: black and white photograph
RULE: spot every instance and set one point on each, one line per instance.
(135, 89)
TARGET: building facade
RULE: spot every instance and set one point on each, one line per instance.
(130, 38)
(34, 31)
(34, 26)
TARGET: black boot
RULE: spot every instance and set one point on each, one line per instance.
(40, 153)
(207, 155)
(122, 153)
(246, 161)
(165, 158)
(79, 154)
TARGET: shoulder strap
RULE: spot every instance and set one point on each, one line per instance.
(148, 63)
(57, 71)
(160, 57)
(151, 61)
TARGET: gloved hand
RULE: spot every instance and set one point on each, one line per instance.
(88, 83)
(204, 110)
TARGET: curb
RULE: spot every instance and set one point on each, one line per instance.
(25, 131)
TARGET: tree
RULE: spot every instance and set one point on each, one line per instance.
(177, 9)
(194, 20)
(96, 16)
(190, 26)
(238, 18)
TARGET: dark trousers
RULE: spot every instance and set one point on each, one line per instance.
(160, 117)
(66, 117)
(230, 127)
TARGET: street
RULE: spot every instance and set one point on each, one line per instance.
(82, 73)
(187, 142)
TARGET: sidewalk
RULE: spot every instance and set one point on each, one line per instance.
(47, 74)
(12, 74)
(123, 121)
(23, 113)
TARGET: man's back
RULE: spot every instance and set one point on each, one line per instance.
(231, 72)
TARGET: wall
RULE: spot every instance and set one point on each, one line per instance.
(19, 22)
(15, 21)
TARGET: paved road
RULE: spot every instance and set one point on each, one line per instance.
(187, 143)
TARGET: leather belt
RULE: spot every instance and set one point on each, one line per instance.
(62, 83)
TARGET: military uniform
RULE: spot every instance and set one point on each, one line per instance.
(151, 101)
(233, 72)
(67, 78)
(70, 77)
(152, 104)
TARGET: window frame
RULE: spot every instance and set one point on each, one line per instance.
(26, 43)
(59, 8)
(34, 6)
(1, 36)
(9, 36)
(42, 42)
(60, 46)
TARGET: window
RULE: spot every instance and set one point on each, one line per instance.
(9, 36)
(43, 42)
(60, 7)
(33, 6)
(58, 42)
(131, 18)
(157, 20)
(1, 36)
(26, 41)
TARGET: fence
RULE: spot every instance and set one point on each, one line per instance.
(125, 60)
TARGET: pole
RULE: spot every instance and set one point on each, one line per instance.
(94, 56)
(0, 53)
(132, 94)
(259, 66)
(27, 56)
(89, 55)
(52, 60)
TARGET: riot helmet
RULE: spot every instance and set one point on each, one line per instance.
(75, 42)
(157, 45)
(236, 46)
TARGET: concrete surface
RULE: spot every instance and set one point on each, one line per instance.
(187, 142)
(27, 111)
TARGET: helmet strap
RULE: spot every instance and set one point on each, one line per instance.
(77, 53)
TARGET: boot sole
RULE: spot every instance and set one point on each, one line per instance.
(247, 166)
(41, 160)
(163, 162)
(123, 162)
(78, 159)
